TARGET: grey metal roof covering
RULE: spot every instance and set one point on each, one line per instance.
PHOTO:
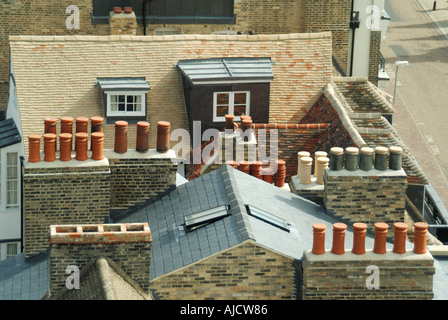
(116, 84)
(9, 134)
(172, 248)
(22, 279)
(222, 69)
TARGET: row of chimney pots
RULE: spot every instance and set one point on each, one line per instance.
(97, 139)
(380, 238)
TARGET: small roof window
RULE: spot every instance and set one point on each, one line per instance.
(197, 220)
(268, 218)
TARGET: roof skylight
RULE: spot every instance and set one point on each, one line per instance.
(268, 218)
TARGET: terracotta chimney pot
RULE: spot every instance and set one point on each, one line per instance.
(121, 137)
(230, 118)
(142, 136)
(246, 124)
(81, 146)
(96, 124)
(50, 127)
(232, 163)
(359, 238)
(163, 136)
(319, 238)
(97, 145)
(67, 125)
(81, 124)
(49, 147)
(420, 232)
(244, 166)
(400, 230)
(379, 246)
(338, 238)
(34, 147)
(280, 174)
(65, 146)
(255, 169)
(268, 175)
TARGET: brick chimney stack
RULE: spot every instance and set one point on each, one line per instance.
(128, 245)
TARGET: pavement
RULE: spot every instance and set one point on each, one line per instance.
(438, 16)
(419, 35)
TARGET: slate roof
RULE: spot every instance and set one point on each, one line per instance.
(173, 248)
(9, 134)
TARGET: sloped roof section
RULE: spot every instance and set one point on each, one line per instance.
(115, 84)
(9, 134)
(227, 69)
(102, 279)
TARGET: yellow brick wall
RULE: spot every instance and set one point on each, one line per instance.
(245, 272)
(56, 76)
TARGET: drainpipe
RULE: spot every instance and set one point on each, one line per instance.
(354, 24)
(144, 15)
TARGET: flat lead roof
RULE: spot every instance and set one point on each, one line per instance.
(227, 69)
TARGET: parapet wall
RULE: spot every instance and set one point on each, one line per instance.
(128, 245)
(374, 273)
(369, 187)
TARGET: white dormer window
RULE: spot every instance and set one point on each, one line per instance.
(126, 103)
(125, 98)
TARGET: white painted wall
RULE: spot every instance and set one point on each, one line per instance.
(370, 12)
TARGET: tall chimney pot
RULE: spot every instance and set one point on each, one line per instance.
(121, 137)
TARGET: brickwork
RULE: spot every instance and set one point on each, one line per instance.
(76, 194)
(302, 67)
(370, 197)
(136, 180)
(127, 245)
(123, 23)
(292, 138)
(334, 16)
(337, 134)
(374, 58)
(244, 272)
(401, 276)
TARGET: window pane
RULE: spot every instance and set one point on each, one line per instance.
(240, 98)
(12, 193)
(222, 98)
(221, 111)
(11, 250)
(113, 103)
(121, 103)
(138, 103)
(239, 110)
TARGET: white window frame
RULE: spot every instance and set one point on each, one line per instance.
(231, 104)
(126, 113)
(7, 180)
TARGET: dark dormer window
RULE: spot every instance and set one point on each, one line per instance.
(216, 87)
(125, 98)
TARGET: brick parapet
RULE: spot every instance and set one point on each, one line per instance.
(401, 276)
(245, 272)
(132, 252)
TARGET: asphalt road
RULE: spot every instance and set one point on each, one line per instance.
(422, 91)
